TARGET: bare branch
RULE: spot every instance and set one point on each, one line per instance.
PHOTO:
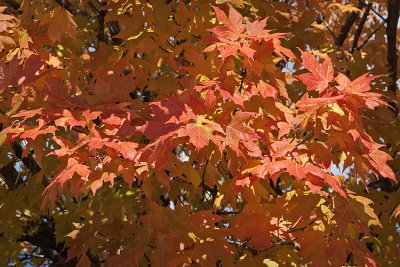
(370, 36)
(11, 3)
(65, 4)
(360, 27)
(301, 228)
(393, 7)
(350, 19)
(334, 37)
(374, 11)
(10, 176)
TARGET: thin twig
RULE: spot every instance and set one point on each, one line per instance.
(376, 12)
(204, 172)
(391, 33)
(304, 140)
(219, 212)
(334, 37)
(301, 228)
(370, 35)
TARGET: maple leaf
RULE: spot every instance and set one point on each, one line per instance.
(206, 158)
(73, 167)
(234, 24)
(231, 36)
(328, 178)
(8, 73)
(210, 101)
(357, 92)
(154, 129)
(320, 76)
(5, 40)
(345, 8)
(6, 20)
(236, 36)
(280, 50)
(265, 89)
(236, 132)
(362, 209)
(105, 177)
(201, 132)
(379, 159)
(59, 21)
(258, 228)
(128, 150)
(284, 128)
(272, 168)
(172, 110)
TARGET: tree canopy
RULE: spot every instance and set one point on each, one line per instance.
(199, 133)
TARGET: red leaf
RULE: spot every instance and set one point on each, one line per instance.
(128, 150)
(201, 132)
(320, 75)
(329, 179)
(210, 101)
(237, 132)
(265, 89)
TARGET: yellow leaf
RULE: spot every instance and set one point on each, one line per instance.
(3, 137)
(336, 108)
(345, 8)
(192, 236)
(361, 206)
(270, 263)
(217, 202)
(192, 175)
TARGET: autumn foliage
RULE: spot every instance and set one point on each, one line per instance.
(195, 133)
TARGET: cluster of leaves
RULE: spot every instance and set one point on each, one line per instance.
(132, 135)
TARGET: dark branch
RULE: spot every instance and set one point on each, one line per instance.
(334, 37)
(10, 176)
(113, 26)
(65, 4)
(12, 3)
(374, 11)
(301, 228)
(243, 75)
(370, 35)
(304, 140)
(360, 27)
(276, 187)
(350, 19)
(393, 7)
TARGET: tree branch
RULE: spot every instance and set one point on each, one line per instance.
(371, 34)
(360, 27)
(304, 140)
(11, 3)
(10, 176)
(291, 230)
(393, 7)
(243, 75)
(350, 19)
(65, 4)
(113, 26)
(334, 37)
(374, 11)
